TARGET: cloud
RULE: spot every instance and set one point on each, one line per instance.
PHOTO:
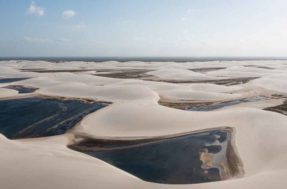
(45, 41)
(37, 40)
(35, 10)
(81, 26)
(68, 14)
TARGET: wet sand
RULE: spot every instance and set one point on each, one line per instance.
(226, 82)
(56, 71)
(125, 74)
(208, 106)
(143, 75)
(256, 66)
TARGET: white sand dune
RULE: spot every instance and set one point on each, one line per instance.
(273, 82)
(135, 113)
(7, 93)
(178, 74)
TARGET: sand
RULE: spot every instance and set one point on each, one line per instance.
(135, 113)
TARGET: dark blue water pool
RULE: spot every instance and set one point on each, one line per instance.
(175, 160)
(10, 80)
(21, 89)
(38, 117)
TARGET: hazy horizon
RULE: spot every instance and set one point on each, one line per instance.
(142, 59)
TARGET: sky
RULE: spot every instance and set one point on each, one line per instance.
(143, 28)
